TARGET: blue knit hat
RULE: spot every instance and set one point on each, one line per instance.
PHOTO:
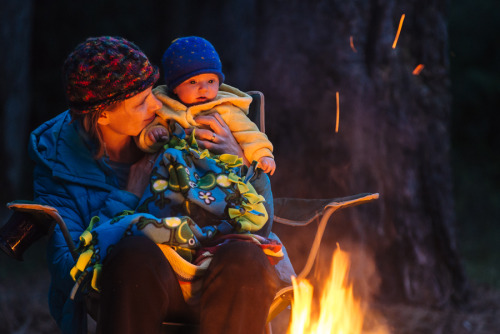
(187, 57)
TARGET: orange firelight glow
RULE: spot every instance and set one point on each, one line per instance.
(338, 313)
(399, 31)
(351, 42)
(418, 69)
(338, 113)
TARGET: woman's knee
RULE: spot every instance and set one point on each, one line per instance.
(133, 254)
(243, 262)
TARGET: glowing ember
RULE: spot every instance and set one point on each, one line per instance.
(418, 69)
(338, 113)
(339, 312)
(351, 42)
(399, 31)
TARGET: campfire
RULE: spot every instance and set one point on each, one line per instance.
(338, 312)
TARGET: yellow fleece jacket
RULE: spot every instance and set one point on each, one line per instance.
(231, 103)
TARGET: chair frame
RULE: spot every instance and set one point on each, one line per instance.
(45, 217)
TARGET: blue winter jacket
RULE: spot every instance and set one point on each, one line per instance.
(67, 177)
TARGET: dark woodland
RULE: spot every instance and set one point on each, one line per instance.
(426, 251)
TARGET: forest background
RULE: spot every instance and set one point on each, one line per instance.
(36, 36)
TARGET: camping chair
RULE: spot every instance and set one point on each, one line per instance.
(31, 221)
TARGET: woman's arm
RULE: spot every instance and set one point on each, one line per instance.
(140, 174)
(76, 205)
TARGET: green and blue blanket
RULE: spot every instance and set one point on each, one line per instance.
(195, 202)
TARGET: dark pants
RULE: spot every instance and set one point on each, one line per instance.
(140, 290)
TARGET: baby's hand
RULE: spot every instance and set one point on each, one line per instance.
(267, 164)
(158, 134)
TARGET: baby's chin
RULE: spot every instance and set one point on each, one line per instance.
(199, 101)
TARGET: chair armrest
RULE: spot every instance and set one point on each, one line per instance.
(301, 211)
(29, 222)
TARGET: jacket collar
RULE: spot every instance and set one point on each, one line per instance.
(65, 149)
(226, 94)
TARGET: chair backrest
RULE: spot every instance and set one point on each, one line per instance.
(256, 112)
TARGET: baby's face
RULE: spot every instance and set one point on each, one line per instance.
(198, 89)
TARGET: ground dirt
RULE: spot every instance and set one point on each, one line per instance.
(24, 310)
(481, 315)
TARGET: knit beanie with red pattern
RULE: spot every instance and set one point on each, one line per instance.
(104, 70)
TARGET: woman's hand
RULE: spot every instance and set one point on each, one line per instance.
(215, 136)
(140, 173)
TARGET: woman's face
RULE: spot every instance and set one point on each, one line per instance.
(130, 116)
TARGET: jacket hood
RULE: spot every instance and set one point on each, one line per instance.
(65, 149)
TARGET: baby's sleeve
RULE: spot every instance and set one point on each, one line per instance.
(144, 142)
(254, 143)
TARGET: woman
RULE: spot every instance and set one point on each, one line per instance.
(87, 164)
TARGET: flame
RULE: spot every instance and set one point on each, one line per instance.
(339, 312)
(418, 69)
(338, 112)
(399, 31)
(351, 42)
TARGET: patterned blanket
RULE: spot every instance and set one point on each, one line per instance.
(195, 203)
(214, 190)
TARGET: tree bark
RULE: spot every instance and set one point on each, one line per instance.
(393, 133)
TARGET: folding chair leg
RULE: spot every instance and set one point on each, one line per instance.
(268, 329)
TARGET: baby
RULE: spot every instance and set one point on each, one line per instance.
(194, 87)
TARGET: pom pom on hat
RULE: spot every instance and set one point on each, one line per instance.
(104, 70)
(187, 57)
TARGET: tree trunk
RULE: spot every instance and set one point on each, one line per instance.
(15, 21)
(393, 133)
